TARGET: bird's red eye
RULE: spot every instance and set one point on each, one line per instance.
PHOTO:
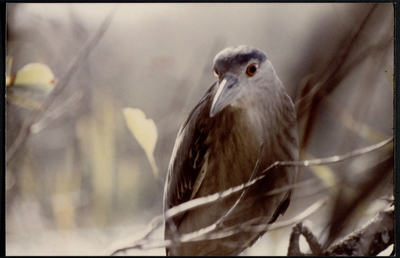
(252, 69)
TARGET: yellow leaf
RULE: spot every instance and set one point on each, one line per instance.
(36, 75)
(145, 132)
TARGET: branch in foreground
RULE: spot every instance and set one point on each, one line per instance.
(220, 195)
(145, 242)
(332, 159)
(374, 237)
(371, 239)
(52, 115)
(206, 233)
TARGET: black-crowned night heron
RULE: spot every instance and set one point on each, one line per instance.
(245, 117)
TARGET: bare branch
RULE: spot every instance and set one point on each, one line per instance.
(371, 239)
(52, 115)
(248, 225)
(220, 195)
(332, 159)
(144, 241)
(374, 237)
(206, 233)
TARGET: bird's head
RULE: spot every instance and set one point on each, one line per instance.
(242, 72)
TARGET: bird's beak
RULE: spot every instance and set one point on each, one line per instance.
(227, 92)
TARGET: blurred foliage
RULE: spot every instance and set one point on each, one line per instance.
(349, 89)
(80, 167)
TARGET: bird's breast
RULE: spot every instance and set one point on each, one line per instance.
(233, 149)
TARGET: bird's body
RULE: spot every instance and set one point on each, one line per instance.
(243, 124)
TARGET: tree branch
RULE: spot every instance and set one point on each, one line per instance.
(208, 233)
(371, 239)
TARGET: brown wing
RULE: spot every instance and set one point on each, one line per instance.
(187, 158)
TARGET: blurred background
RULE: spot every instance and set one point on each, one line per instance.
(80, 181)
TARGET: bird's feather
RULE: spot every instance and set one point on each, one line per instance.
(187, 159)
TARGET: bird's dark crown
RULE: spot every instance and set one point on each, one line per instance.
(234, 57)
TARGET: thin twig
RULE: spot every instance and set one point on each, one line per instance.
(220, 195)
(371, 239)
(199, 235)
(52, 115)
(332, 159)
(204, 234)
(323, 161)
(207, 233)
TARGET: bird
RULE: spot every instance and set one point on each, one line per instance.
(244, 123)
